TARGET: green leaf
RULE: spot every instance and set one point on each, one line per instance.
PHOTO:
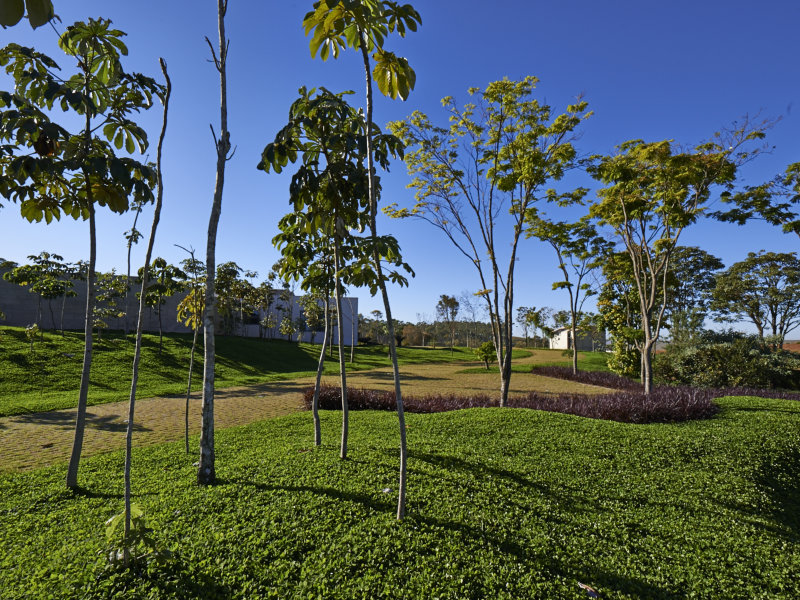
(39, 12)
(11, 12)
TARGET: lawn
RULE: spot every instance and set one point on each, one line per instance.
(48, 378)
(502, 503)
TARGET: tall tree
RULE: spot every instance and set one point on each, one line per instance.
(142, 299)
(447, 309)
(206, 472)
(498, 156)
(654, 191)
(363, 25)
(51, 171)
(763, 288)
(580, 250)
(329, 197)
(132, 236)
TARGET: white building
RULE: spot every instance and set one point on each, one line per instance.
(561, 339)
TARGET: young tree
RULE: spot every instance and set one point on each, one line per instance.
(497, 156)
(363, 24)
(190, 313)
(447, 310)
(109, 300)
(580, 251)
(51, 171)
(132, 236)
(206, 472)
(525, 320)
(654, 191)
(142, 293)
(328, 195)
(164, 281)
(764, 288)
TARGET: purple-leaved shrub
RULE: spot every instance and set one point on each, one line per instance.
(664, 405)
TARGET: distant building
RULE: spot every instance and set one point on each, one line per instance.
(561, 339)
(21, 308)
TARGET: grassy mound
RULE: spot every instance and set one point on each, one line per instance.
(501, 504)
(48, 378)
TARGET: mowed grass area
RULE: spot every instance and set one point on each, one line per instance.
(502, 503)
(541, 357)
(49, 377)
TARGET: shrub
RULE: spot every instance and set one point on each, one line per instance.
(745, 362)
(664, 405)
(600, 378)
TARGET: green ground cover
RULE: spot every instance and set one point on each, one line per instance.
(49, 377)
(502, 503)
(587, 361)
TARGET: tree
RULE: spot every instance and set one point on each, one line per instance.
(580, 251)
(45, 277)
(142, 293)
(190, 313)
(109, 300)
(363, 25)
(51, 171)
(329, 196)
(39, 12)
(486, 353)
(525, 316)
(764, 288)
(206, 472)
(691, 279)
(774, 202)
(497, 156)
(132, 236)
(164, 280)
(447, 310)
(654, 191)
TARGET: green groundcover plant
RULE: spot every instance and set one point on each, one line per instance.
(502, 503)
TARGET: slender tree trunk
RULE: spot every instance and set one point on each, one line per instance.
(160, 326)
(320, 367)
(80, 419)
(206, 473)
(189, 388)
(373, 201)
(339, 325)
(63, 305)
(140, 317)
(128, 272)
(353, 340)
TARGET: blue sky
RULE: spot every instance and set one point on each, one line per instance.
(668, 70)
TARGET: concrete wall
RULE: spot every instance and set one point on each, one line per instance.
(21, 308)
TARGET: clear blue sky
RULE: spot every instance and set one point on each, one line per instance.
(652, 70)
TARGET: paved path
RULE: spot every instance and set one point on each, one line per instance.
(34, 440)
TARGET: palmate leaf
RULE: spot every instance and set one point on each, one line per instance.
(11, 12)
(393, 74)
(39, 12)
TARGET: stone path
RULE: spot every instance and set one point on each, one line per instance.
(34, 440)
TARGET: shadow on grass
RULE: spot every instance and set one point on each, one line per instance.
(66, 419)
(173, 578)
(779, 477)
(481, 536)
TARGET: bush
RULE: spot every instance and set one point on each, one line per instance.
(664, 405)
(599, 378)
(744, 362)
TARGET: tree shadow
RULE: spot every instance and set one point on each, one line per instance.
(779, 477)
(66, 419)
(479, 536)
